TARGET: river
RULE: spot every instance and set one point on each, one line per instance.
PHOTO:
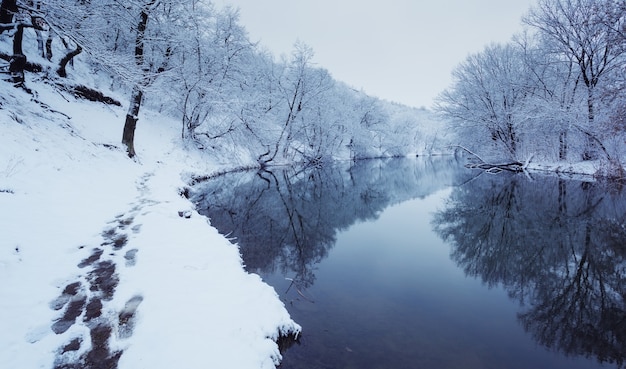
(422, 263)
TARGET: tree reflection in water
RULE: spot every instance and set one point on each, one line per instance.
(287, 220)
(557, 246)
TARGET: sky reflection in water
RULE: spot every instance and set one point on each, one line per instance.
(359, 258)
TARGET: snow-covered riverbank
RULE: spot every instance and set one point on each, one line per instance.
(97, 264)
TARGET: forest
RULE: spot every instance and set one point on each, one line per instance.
(554, 93)
(196, 63)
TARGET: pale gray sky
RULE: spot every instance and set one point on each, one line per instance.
(398, 50)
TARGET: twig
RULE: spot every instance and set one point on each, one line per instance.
(293, 283)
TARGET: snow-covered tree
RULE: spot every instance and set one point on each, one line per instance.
(196, 62)
(212, 60)
(488, 97)
(579, 31)
(299, 89)
(554, 91)
(555, 107)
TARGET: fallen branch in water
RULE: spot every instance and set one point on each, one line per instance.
(515, 166)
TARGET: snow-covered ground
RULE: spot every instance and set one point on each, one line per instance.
(98, 266)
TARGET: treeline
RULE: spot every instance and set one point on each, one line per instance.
(193, 61)
(555, 92)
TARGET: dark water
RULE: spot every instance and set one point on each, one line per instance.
(421, 263)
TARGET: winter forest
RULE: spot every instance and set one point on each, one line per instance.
(194, 62)
(553, 93)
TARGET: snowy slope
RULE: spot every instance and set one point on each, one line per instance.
(96, 264)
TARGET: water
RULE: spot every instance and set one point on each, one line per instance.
(421, 263)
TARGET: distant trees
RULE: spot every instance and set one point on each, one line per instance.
(233, 98)
(552, 92)
(287, 111)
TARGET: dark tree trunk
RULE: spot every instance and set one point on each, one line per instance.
(7, 9)
(49, 47)
(591, 149)
(128, 136)
(66, 59)
(17, 40)
(563, 145)
(18, 60)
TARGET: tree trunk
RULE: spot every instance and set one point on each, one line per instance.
(49, 47)
(18, 60)
(591, 150)
(66, 59)
(17, 40)
(7, 9)
(128, 136)
(590, 107)
(563, 145)
(40, 43)
(511, 137)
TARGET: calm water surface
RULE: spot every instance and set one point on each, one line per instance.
(421, 263)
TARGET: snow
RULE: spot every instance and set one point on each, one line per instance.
(585, 170)
(67, 190)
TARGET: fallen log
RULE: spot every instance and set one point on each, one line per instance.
(479, 163)
(82, 91)
(515, 167)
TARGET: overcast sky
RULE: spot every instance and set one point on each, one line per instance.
(398, 50)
